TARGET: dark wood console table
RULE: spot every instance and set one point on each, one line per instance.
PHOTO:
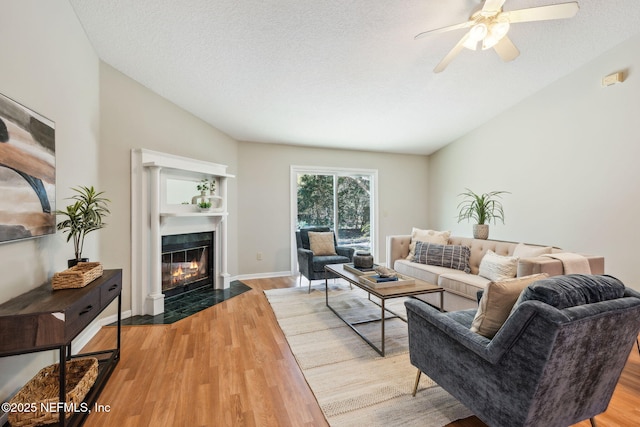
(44, 319)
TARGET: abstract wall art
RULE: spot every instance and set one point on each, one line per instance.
(27, 172)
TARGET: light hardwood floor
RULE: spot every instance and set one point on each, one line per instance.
(230, 365)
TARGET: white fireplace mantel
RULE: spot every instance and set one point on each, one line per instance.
(152, 217)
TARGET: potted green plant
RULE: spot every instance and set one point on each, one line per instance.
(85, 215)
(483, 208)
(203, 186)
(204, 205)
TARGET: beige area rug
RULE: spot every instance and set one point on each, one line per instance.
(355, 386)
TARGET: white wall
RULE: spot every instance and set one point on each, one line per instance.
(264, 205)
(48, 65)
(569, 156)
(132, 116)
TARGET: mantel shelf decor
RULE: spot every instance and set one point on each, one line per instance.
(216, 201)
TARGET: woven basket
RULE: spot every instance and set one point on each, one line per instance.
(77, 276)
(42, 392)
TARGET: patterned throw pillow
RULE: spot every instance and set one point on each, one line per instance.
(431, 236)
(321, 243)
(451, 256)
(497, 267)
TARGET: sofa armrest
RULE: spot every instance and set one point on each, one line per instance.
(553, 267)
(397, 248)
(536, 265)
(456, 331)
(490, 350)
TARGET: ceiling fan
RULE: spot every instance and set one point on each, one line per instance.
(489, 26)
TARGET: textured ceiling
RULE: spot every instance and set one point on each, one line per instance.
(341, 73)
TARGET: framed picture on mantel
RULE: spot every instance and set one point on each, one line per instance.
(27, 173)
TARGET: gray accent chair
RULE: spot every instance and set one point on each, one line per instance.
(555, 361)
(312, 267)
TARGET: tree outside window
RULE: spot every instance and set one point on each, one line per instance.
(320, 197)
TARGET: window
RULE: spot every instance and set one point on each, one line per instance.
(342, 199)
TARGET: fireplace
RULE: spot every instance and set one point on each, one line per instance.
(158, 212)
(187, 262)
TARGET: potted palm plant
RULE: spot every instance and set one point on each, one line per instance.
(483, 208)
(85, 215)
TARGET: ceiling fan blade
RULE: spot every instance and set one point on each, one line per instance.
(445, 29)
(452, 54)
(492, 7)
(506, 49)
(542, 13)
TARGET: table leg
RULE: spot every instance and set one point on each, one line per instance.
(326, 291)
(63, 379)
(383, 310)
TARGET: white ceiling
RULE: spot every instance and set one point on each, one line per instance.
(341, 73)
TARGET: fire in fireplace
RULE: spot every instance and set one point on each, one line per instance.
(187, 262)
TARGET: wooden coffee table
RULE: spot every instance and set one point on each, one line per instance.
(418, 288)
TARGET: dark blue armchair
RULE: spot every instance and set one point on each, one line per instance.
(312, 267)
(555, 361)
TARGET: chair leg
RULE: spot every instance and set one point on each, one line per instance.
(309, 286)
(415, 386)
(593, 422)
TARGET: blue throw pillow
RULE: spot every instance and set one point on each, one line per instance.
(451, 256)
(572, 290)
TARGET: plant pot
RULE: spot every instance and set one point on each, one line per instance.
(481, 231)
(72, 262)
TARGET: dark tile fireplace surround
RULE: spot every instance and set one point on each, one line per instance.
(187, 262)
(187, 279)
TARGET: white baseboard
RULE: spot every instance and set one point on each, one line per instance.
(262, 275)
(89, 332)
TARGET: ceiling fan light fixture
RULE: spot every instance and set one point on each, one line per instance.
(476, 34)
(489, 42)
(490, 25)
(497, 31)
(470, 43)
(500, 29)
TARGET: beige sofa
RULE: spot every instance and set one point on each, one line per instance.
(461, 288)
